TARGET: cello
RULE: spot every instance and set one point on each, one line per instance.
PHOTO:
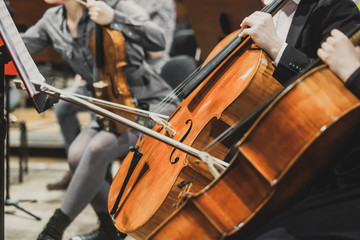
(288, 145)
(141, 201)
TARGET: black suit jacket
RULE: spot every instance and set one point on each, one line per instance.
(312, 24)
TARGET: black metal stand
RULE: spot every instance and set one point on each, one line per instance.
(2, 144)
(5, 58)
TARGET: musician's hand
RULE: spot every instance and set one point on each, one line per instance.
(260, 27)
(100, 12)
(340, 54)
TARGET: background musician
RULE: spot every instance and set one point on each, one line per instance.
(161, 12)
(67, 27)
(294, 34)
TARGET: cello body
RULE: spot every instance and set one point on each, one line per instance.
(304, 129)
(228, 94)
(111, 84)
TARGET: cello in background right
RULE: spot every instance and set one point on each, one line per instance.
(303, 130)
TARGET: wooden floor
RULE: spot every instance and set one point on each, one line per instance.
(39, 201)
(45, 164)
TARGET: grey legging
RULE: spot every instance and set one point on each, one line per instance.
(89, 157)
(66, 115)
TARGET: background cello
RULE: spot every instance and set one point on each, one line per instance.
(236, 66)
(307, 127)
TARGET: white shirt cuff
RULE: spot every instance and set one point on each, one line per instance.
(278, 57)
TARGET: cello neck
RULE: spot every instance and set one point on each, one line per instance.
(99, 47)
(274, 6)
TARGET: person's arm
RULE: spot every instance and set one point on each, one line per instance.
(36, 37)
(343, 58)
(164, 15)
(131, 20)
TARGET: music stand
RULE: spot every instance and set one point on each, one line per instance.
(4, 59)
(14, 49)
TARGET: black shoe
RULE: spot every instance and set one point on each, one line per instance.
(106, 231)
(55, 227)
(100, 234)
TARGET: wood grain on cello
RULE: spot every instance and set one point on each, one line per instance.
(292, 141)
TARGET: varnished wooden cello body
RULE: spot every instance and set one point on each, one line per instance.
(241, 82)
(305, 128)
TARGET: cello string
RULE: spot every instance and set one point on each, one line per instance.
(171, 96)
(230, 47)
(178, 90)
(174, 93)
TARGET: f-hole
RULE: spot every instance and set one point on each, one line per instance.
(189, 121)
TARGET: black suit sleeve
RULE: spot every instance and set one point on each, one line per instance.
(325, 16)
(353, 83)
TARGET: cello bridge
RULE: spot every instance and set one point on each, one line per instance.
(166, 125)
